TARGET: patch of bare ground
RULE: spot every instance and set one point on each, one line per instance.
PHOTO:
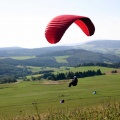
(55, 82)
(17, 82)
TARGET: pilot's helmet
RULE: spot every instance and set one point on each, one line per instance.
(74, 77)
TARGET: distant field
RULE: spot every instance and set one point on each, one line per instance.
(74, 69)
(65, 69)
(61, 59)
(18, 99)
(19, 57)
(82, 69)
(36, 69)
(117, 52)
(22, 57)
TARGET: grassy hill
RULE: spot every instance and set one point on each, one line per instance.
(25, 99)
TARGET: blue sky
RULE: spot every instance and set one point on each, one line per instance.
(23, 22)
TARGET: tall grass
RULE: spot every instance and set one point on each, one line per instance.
(109, 109)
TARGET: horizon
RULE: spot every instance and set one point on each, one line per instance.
(80, 43)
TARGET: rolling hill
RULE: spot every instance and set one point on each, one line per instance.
(80, 56)
(74, 57)
(106, 51)
(16, 51)
(102, 46)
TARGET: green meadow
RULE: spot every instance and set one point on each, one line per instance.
(65, 69)
(61, 59)
(40, 100)
(19, 57)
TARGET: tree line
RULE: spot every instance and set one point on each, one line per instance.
(70, 75)
(7, 79)
(10, 73)
(110, 65)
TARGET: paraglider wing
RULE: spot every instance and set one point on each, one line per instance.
(58, 25)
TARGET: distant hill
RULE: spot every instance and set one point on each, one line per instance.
(102, 46)
(16, 51)
(75, 57)
(76, 54)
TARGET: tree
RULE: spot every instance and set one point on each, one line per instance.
(98, 72)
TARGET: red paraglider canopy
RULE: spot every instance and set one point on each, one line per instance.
(58, 25)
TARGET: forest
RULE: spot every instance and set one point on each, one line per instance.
(10, 73)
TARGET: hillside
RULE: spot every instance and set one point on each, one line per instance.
(14, 51)
(74, 57)
(79, 56)
(102, 46)
(17, 100)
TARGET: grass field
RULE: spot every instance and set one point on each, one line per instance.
(65, 69)
(19, 57)
(25, 99)
(74, 69)
(82, 69)
(61, 59)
